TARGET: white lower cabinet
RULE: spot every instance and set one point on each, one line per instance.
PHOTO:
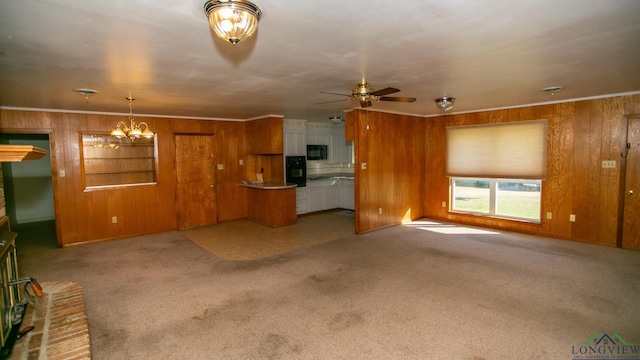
(330, 194)
(347, 194)
(316, 195)
(302, 201)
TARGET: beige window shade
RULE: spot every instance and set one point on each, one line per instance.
(514, 150)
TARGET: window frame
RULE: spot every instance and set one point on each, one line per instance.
(493, 199)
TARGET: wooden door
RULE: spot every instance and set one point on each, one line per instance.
(196, 196)
(631, 221)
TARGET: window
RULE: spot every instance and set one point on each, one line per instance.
(507, 198)
(497, 169)
(108, 161)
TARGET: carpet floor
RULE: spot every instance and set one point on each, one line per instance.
(424, 290)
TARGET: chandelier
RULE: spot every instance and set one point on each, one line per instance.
(233, 20)
(445, 103)
(134, 130)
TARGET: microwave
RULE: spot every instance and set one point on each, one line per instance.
(317, 152)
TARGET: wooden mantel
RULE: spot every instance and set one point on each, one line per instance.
(20, 153)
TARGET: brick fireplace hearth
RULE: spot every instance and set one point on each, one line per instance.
(61, 330)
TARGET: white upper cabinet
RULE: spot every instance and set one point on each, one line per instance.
(333, 136)
(341, 149)
(295, 137)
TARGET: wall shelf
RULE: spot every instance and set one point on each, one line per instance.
(111, 162)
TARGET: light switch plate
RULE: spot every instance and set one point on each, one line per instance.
(220, 166)
(608, 164)
(363, 166)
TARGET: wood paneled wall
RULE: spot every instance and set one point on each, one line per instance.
(393, 148)
(581, 135)
(406, 158)
(85, 216)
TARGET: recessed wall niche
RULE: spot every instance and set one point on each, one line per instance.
(110, 162)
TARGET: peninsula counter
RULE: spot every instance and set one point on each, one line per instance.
(271, 203)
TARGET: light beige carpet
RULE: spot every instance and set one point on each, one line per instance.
(424, 290)
(247, 240)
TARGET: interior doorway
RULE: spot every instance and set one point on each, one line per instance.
(196, 182)
(28, 193)
(631, 189)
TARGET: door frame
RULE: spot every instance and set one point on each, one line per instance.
(54, 170)
(623, 175)
(175, 168)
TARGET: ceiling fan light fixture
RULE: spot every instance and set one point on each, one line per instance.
(233, 20)
(445, 103)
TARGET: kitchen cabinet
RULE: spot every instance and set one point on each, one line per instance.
(316, 195)
(302, 200)
(323, 195)
(340, 150)
(271, 204)
(265, 136)
(318, 139)
(333, 136)
(331, 195)
(347, 194)
(295, 137)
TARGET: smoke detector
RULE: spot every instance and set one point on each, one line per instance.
(85, 92)
(552, 89)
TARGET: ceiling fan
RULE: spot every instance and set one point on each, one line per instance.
(365, 95)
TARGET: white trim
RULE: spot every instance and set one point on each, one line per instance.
(141, 115)
(538, 104)
(344, 111)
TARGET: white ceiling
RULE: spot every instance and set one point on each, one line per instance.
(487, 54)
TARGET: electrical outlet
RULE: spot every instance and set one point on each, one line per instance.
(114, 219)
(444, 204)
(241, 162)
(549, 216)
(220, 166)
(363, 166)
(380, 211)
(62, 173)
(608, 164)
(572, 217)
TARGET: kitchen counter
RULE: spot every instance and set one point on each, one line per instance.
(330, 176)
(269, 185)
(271, 203)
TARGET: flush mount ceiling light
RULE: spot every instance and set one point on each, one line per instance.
(445, 103)
(335, 119)
(233, 20)
(552, 89)
(134, 130)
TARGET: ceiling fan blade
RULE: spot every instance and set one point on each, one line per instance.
(330, 93)
(385, 91)
(365, 103)
(399, 99)
(332, 101)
